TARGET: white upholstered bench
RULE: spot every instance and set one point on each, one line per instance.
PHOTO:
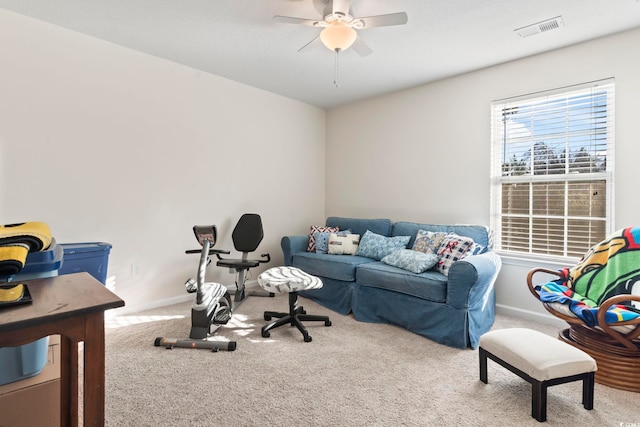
(541, 360)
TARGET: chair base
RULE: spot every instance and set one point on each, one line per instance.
(294, 317)
(616, 367)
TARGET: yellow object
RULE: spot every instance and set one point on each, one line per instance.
(12, 294)
(35, 234)
(12, 258)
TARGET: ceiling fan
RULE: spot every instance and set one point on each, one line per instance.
(339, 27)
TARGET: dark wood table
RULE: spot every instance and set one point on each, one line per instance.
(72, 306)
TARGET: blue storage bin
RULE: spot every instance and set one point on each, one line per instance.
(92, 258)
(23, 361)
(41, 264)
(17, 363)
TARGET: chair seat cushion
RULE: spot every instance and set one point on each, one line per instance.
(430, 285)
(242, 264)
(287, 279)
(338, 267)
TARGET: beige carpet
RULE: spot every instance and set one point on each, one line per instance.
(351, 374)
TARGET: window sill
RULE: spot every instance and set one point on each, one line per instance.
(531, 261)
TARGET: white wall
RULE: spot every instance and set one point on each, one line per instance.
(423, 154)
(104, 143)
(107, 144)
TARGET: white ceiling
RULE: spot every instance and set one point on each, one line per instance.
(239, 40)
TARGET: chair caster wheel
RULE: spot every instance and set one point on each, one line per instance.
(265, 334)
(267, 317)
(307, 338)
(327, 323)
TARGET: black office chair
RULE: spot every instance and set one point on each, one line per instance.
(246, 236)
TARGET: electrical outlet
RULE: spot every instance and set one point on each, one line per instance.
(135, 269)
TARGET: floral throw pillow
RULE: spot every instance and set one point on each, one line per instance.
(376, 246)
(413, 261)
(428, 241)
(318, 228)
(452, 249)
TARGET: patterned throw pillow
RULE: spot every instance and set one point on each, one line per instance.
(322, 240)
(452, 249)
(318, 228)
(376, 246)
(428, 241)
(343, 244)
(414, 261)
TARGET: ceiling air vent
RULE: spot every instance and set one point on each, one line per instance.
(541, 27)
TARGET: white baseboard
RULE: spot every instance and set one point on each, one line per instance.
(547, 319)
(132, 309)
(127, 310)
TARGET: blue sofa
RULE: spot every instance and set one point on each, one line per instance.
(453, 310)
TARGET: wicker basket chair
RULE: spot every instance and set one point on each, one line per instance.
(614, 345)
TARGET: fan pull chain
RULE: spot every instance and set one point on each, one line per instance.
(335, 71)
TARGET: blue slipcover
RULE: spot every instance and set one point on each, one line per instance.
(453, 310)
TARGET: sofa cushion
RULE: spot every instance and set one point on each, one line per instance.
(430, 285)
(376, 246)
(343, 244)
(360, 226)
(413, 261)
(338, 267)
(480, 234)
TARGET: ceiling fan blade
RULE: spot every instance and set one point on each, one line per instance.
(294, 20)
(361, 48)
(341, 6)
(399, 18)
(314, 39)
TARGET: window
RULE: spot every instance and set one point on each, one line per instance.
(552, 170)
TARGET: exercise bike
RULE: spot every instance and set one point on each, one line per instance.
(212, 307)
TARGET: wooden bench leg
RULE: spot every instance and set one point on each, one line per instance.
(539, 388)
(587, 390)
(539, 400)
(483, 364)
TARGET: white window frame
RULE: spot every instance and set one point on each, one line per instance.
(499, 140)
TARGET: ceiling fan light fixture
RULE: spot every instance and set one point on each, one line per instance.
(338, 36)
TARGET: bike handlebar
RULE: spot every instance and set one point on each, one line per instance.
(211, 251)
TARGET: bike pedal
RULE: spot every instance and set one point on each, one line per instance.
(222, 318)
(191, 286)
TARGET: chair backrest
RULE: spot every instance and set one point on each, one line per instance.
(247, 233)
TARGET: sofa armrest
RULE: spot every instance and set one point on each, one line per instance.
(471, 280)
(292, 245)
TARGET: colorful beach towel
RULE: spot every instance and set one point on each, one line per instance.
(582, 307)
(612, 267)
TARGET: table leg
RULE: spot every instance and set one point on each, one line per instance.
(68, 382)
(94, 370)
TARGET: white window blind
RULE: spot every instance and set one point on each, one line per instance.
(552, 170)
